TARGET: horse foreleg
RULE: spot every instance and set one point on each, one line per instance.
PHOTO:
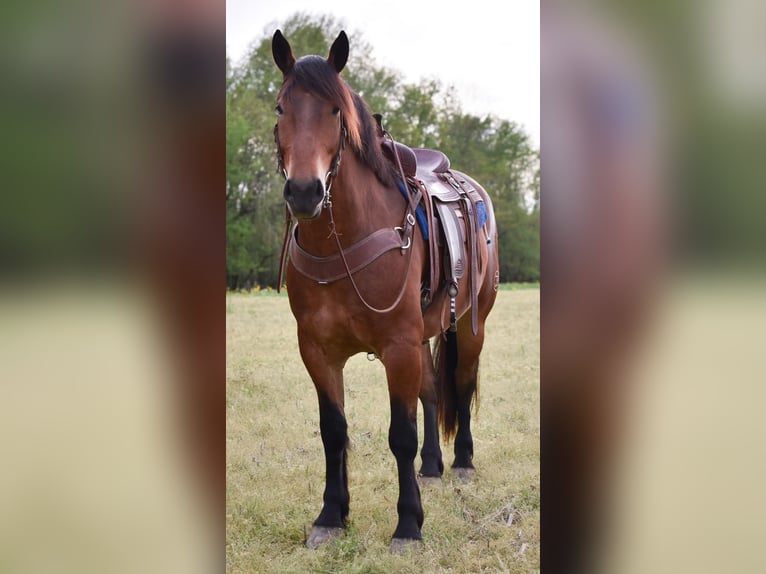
(332, 519)
(328, 380)
(431, 453)
(403, 371)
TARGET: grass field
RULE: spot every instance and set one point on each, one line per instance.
(275, 463)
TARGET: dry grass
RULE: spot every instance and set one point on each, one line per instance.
(275, 465)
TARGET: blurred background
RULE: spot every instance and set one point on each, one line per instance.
(653, 125)
(111, 287)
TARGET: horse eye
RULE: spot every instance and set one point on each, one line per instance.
(335, 110)
(279, 109)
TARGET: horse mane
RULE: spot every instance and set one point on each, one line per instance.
(317, 76)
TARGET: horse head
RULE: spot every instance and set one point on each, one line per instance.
(313, 108)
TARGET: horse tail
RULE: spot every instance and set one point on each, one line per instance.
(445, 361)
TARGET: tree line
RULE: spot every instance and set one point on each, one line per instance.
(496, 152)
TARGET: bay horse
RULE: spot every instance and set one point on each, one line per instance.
(336, 209)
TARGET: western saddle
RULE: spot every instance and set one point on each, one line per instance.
(455, 214)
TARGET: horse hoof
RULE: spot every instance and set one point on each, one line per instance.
(428, 481)
(463, 474)
(322, 535)
(404, 545)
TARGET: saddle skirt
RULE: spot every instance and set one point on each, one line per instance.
(456, 215)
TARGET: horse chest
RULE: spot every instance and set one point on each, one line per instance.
(324, 321)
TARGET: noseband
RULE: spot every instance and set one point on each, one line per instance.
(331, 174)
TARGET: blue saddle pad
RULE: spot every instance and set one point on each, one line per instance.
(481, 213)
(420, 213)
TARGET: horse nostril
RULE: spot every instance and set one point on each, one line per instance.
(288, 189)
(318, 188)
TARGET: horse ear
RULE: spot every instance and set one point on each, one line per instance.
(339, 52)
(282, 52)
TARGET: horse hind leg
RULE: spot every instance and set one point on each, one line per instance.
(462, 467)
(457, 360)
(432, 466)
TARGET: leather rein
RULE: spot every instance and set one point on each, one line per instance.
(364, 251)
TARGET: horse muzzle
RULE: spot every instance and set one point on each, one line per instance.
(304, 198)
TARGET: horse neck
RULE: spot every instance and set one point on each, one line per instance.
(361, 204)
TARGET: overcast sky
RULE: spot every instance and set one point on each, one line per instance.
(490, 51)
